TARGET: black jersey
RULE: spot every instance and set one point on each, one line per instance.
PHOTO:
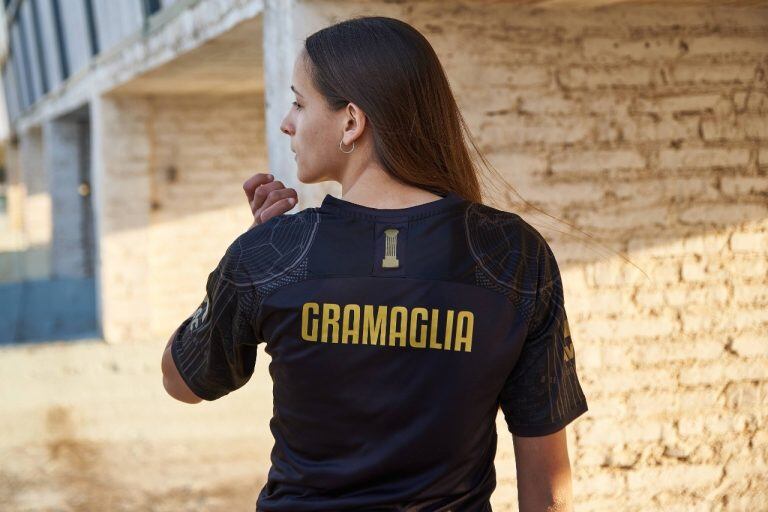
(395, 337)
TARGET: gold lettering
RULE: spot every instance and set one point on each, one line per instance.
(398, 329)
(433, 331)
(393, 326)
(331, 313)
(350, 331)
(374, 326)
(421, 342)
(448, 329)
(312, 308)
(464, 324)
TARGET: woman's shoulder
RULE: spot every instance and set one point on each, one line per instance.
(285, 229)
(509, 249)
(492, 226)
(275, 246)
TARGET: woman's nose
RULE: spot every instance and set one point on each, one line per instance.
(285, 126)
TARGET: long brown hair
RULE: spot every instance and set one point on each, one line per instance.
(390, 70)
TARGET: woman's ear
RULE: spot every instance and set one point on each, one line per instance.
(355, 121)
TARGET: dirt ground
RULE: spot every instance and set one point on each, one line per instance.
(87, 426)
(71, 475)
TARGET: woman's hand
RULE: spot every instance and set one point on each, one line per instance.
(268, 198)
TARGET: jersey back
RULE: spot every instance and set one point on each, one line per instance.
(395, 336)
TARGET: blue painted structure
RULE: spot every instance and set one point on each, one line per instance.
(49, 309)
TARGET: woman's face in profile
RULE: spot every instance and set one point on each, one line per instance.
(315, 131)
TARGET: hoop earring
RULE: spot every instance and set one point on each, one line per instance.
(346, 152)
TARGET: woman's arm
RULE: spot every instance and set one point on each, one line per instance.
(172, 380)
(543, 473)
(267, 199)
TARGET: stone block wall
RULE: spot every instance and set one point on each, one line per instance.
(171, 202)
(643, 124)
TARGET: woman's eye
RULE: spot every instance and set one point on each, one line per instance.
(296, 105)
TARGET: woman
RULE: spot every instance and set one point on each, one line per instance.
(400, 318)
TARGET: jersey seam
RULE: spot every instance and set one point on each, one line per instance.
(288, 268)
(331, 208)
(580, 407)
(480, 264)
(251, 288)
(491, 290)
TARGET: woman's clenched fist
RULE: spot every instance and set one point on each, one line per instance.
(268, 197)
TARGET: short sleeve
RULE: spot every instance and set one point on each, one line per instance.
(542, 393)
(215, 348)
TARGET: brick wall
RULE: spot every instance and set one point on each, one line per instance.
(121, 197)
(644, 125)
(214, 143)
(66, 152)
(172, 203)
(12, 233)
(36, 205)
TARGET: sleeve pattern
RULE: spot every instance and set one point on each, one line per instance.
(542, 393)
(215, 348)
